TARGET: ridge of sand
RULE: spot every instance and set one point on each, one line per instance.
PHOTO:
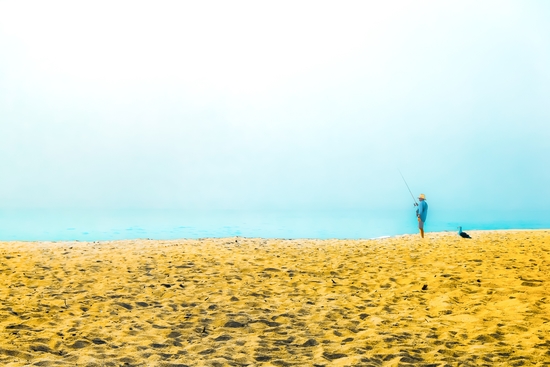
(256, 302)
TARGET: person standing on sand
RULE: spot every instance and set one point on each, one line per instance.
(421, 213)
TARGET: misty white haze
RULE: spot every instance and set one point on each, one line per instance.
(282, 105)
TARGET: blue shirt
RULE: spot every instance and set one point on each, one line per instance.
(422, 210)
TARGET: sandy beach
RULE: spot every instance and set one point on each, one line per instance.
(396, 301)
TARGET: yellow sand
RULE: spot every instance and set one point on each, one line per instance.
(255, 302)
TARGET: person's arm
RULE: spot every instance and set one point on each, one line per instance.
(420, 210)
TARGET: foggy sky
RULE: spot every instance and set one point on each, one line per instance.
(206, 105)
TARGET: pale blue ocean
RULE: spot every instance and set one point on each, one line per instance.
(96, 225)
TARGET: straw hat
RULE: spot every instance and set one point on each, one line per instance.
(422, 196)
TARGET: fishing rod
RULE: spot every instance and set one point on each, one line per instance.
(415, 203)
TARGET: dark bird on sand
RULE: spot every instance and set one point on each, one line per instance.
(463, 234)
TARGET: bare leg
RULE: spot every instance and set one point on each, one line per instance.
(421, 232)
